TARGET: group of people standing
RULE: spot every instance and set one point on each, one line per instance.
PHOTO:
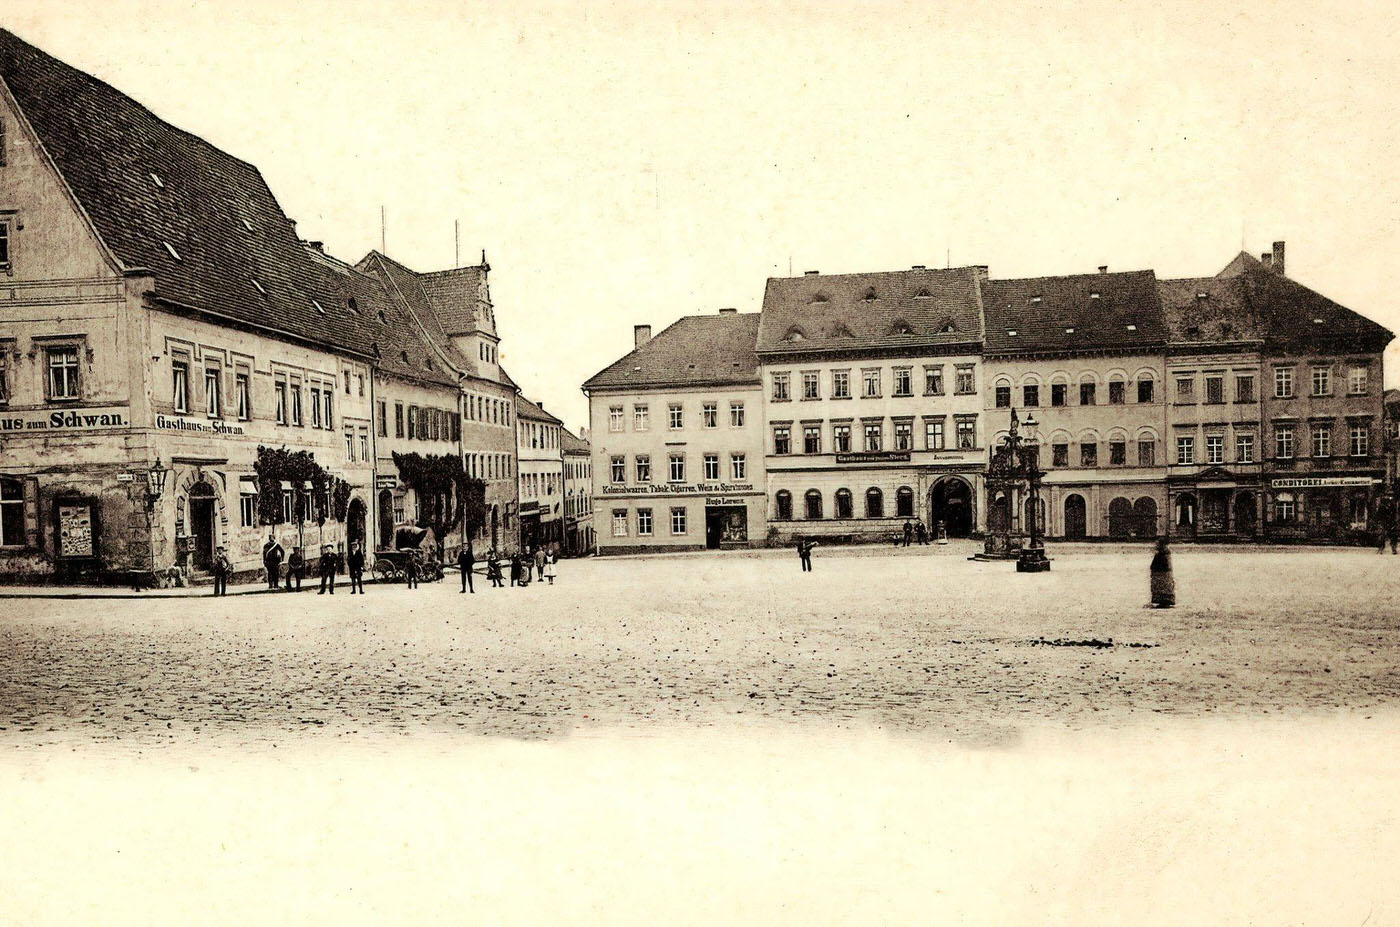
(524, 567)
(273, 555)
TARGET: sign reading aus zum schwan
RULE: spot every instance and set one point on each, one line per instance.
(65, 420)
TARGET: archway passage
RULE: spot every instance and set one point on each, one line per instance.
(202, 525)
(386, 520)
(1120, 518)
(950, 501)
(355, 524)
(1076, 518)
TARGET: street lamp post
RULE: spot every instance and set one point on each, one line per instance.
(1032, 558)
(155, 487)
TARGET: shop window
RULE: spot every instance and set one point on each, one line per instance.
(12, 531)
(1285, 508)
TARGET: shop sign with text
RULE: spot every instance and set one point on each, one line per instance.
(673, 489)
(65, 420)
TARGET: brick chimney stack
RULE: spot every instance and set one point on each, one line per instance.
(641, 334)
(1278, 258)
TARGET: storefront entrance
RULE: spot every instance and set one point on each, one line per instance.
(1075, 518)
(202, 525)
(726, 524)
(950, 502)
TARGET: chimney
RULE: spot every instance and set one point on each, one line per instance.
(729, 310)
(1266, 259)
(983, 271)
(810, 273)
(318, 245)
(641, 334)
(918, 267)
(1103, 268)
(1278, 258)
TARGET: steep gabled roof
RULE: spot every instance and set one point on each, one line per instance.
(1209, 311)
(573, 444)
(532, 411)
(713, 350)
(458, 297)
(890, 309)
(1299, 319)
(1041, 315)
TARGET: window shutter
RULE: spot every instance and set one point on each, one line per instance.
(31, 511)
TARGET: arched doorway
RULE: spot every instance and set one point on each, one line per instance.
(1186, 515)
(1145, 517)
(1245, 514)
(999, 517)
(355, 524)
(950, 501)
(202, 539)
(1076, 518)
(1120, 518)
(386, 519)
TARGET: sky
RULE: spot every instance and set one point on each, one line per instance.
(625, 163)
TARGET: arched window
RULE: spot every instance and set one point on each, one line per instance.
(813, 502)
(874, 503)
(904, 502)
(844, 507)
(783, 503)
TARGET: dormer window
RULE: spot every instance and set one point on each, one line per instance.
(1094, 295)
(319, 308)
(901, 327)
(403, 355)
(1227, 329)
(381, 315)
(923, 294)
(1069, 330)
(258, 286)
(171, 248)
(841, 331)
(870, 294)
(155, 178)
(1317, 322)
(819, 298)
(794, 335)
(1202, 296)
(1011, 332)
(1132, 327)
(352, 305)
(247, 225)
(948, 327)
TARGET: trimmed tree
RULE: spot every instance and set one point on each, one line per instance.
(447, 496)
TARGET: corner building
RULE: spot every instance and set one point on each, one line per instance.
(872, 403)
(676, 428)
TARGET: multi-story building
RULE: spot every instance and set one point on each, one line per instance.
(579, 537)
(872, 408)
(676, 428)
(539, 449)
(1082, 357)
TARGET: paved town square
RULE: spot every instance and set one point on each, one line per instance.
(915, 639)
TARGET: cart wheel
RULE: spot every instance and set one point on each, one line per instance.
(384, 571)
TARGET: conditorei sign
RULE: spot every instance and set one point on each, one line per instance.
(1312, 482)
(673, 489)
(66, 420)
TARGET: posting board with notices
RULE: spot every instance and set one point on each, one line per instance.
(75, 530)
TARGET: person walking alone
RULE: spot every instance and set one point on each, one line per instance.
(327, 570)
(355, 564)
(222, 569)
(296, 566)
(1163, 585)
(272, 560)
(466, 562)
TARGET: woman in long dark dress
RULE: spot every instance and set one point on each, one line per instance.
(1163, 585)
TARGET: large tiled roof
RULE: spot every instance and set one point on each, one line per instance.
(1062, 314)
(891, 309)
(532, 411)
(1209, 311)
(1298, 319)
(710, 350)
(403, 347)
(457, 297)
(573, 444)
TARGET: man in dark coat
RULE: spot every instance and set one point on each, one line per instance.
(908, 532)
(355, 563)
(327, 570)
(296, 567)
(1163, 585)
(804, 553)
(466, 562)
(1385, 524)
(222, 569)
(412, 570)
(272, 560)
(515, 569)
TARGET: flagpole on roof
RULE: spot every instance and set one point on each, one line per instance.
(456, 242)
(382, 223)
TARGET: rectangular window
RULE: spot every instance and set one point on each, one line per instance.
(1358, 381)
(1283, 442)
(1360, 440)
(841, 439)
(640, 418)
(642, 465)
(782, 439)
(1147, 453)
(1117, 392)
(874, 438)
(4, 374)
(619, 523)
(347, 383)
(736, 415)
(414, 425)
(180, 385)
(677, 471)
(711, 462)
(1117, 453)
(63, 372)
(738, 467)
(1059, 455)
(675, 416)
(434, 431)
(1284, 507)
(811, 385)
(1003, 397)
(1283, 382)
(364, 445)
(811, 439)
(614, 419)
(1215, 388)
(383, 418)
(360, 383)
(966, 380)
(398, 420)
(1322, 381)
(1322, 441)
(934, 438)
(1244, 387)
(781, 388)
(326, 402)
(1089, 455)
(870, 380)
(903, 381)
(243, 395)
(280, 389)
(5, 263)
(1185, 450)
(709, 415)
(1057, 394)
(904, 436)
(933, 381)
(1087, 393)
(678, 520)
(315, 407)
(296, 401)
(1215, 449)
(1030, 395)
(1185, 389)
(247, 509)
(1244, 448)
(644, 527)
(213, 387)
(967, 434)
(840, 384)
(349, 445)
(1146, 390)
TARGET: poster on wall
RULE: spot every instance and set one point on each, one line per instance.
(75, 531)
